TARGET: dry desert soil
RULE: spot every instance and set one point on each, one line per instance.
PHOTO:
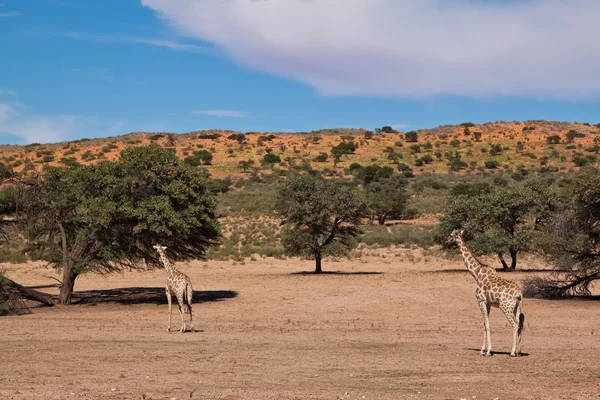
(395, 326)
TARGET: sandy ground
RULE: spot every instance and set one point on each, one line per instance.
(392, 327)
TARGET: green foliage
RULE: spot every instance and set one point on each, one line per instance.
(321, 157)
(246, 165)
(553, 139)
(411, 136)
(572, 237)
(387, 197)
(498, 219)
(209, 136)
(491, 164)
(572, 134)
(373, 173)
(387, 129)
(467, 124)
(271, 158)
(70, 161)
(201, 157)
(111, 213)
(239, 137)
(322, 217)
(405, 170)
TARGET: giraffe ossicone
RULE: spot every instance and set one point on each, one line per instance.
(178, 285)
(493, 291)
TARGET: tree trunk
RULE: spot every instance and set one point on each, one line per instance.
(69, 275)
(318, 269)
(68, 283)
(504, 264)
(381, 219)
(513, 261)
(30, 294)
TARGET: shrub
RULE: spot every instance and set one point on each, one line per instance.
(492, 164)
(553, 139)
(411, 136)
(271, 158)
(321, 157)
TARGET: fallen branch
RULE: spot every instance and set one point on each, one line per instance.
(29, 294)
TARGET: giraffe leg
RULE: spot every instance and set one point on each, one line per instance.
(511, 310)
(485, 312)
(180, 304)
(170, 304)
(190, 294)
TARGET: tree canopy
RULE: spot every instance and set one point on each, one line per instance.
(498, 219)
(105, 217)
(322, 217)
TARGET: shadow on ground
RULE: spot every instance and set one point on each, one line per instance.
(140, 295)
(499, 270)
(494, 352)
(336, 273)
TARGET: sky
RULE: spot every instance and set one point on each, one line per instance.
(71, 69)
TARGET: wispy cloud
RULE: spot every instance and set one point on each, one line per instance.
(222, 113)
(10, 14)
(17, 120)
(407, 48)
(156, 42)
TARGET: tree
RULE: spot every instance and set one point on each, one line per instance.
(571, 238)
(387, 198)
(412, 136)
(342, 149)
(271, 158)
(372, 173)
(246, 165)
(322, 217)
(105, 217)
(498, 220)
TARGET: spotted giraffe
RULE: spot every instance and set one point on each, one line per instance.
(178, 284)
(493, 290)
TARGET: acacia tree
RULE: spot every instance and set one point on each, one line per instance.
(572, 238)
(498, 220)
(322, 217)
(105, 217)
(387, 198)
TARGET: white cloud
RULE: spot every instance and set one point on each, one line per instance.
(409, 48)
(10, 14)
(156, 42)
(16, 120)
(222, 113)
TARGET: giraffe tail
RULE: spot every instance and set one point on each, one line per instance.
(519, 314)
(189, 294)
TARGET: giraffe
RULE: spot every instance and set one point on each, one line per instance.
(493, 290)
(178, 284)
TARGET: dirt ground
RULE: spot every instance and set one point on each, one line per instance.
(396, 326)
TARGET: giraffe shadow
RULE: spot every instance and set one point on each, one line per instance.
(312, 273)
(494, 352)
(498, 270)
(144, 295)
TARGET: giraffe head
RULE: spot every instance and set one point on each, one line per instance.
(455, 235)
(160, 250)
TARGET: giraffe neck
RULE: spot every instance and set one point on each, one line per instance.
(169, 266)
(471, 262)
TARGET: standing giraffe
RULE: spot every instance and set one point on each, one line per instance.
(493, 290)
(178, 284)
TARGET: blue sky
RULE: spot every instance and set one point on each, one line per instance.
(93, 68)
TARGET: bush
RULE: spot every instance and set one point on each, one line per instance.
(411, 136)
(553, 139)
(492, 164)
(271, 158)
(321, 157)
